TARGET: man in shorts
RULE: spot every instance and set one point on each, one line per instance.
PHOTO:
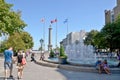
(8, 55)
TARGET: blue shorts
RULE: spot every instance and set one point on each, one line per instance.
(8, 65)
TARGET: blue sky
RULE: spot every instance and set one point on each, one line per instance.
(82, 15)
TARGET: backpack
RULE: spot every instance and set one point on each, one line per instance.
(23, 61)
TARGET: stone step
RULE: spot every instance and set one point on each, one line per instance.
(75, 68)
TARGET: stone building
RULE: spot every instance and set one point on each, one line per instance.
(73, 37)
(111, 15)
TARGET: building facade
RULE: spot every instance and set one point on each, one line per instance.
(73, 37)
(111, 15)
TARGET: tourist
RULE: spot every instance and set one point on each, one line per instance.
(8, 57)
(106, 67)
(20, 65)
(99, 65)
(33, 57)
(24, 54)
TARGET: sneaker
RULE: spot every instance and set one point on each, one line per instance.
(11, 76)
(18, 77)
(5, 78)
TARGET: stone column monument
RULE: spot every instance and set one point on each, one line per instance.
(50, 38)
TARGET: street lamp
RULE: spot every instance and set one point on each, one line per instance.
(42, 54)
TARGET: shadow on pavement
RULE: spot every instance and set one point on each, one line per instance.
(71, 75)
(3, 78)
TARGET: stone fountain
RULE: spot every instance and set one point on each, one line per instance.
(81, 53)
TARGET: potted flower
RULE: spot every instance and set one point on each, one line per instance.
(62, 56)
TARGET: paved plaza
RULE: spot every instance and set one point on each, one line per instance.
(34, 71)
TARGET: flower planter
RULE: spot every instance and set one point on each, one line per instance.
(62, 60)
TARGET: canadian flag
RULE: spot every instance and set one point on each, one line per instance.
(53, 21)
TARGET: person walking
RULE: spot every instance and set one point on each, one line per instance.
(8, 57)
(20, 65)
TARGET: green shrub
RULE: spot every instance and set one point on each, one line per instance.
(62, 52)
(51, 54)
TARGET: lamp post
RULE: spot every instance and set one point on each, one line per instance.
(42, 54)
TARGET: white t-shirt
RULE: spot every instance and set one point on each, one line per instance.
(23, 55)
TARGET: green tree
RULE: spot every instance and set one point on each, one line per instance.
(21, 40)
(107, 32)
(2, 46)
(116, 34)
(28, 40)
(15, 41)
(111, 34)
(10, 20)
(90, 39)
(99, 41)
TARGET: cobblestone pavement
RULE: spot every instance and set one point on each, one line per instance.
(33, 71)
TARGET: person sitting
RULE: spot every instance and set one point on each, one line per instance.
(98, 65)
(106, 67)
(33, 57)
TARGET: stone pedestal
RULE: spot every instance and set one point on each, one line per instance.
(50, 39)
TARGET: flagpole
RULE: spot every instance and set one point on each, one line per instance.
(56, 34)
(55, 21)
(44, 33)
(43, 23)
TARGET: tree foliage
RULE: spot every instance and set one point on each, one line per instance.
(28, 40)
(10, 20)
(15, 41)
(108, 37)
(108, 31)
(111, 34)
(99, 41)
(18, 41)
(90, 39)
(116, 38)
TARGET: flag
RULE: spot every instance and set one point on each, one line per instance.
(52, 21)
(42, 20)
(55, 20)
(66, 20)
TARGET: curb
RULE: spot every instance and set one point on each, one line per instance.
(74, 68)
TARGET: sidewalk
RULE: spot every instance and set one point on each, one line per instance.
(1, 65)
(33, 71)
